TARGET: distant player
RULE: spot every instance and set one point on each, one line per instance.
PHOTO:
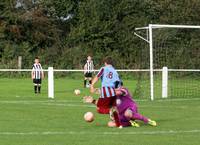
(37, 75)
(88, 70)
(109, 77)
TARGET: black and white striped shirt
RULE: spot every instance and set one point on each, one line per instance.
(89, 67)
(37, 71)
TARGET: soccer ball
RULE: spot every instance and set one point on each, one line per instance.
(89, 116)
(77, 92)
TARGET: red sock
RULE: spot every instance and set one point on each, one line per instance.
(116, 117)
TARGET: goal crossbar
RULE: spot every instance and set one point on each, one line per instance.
(153, 26)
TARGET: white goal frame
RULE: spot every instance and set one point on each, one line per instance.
(149, 39)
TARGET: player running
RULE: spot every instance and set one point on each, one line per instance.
(37, 75)
(109, 78)
(127, 109)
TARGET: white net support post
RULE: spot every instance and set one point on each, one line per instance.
(19, 62)
(151, 62)
(164, 82)
(50, 83)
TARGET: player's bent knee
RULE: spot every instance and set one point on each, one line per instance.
(128, 113)
(111, 124)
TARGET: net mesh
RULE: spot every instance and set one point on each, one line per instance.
(177, 49)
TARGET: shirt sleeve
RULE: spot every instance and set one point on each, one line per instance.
(41, 68)
(124, 91)
(100, 73)
(33, 68)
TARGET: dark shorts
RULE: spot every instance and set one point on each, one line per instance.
(37, 81)
(88, 75)
(104, 104)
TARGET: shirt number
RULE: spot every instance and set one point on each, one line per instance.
(110, 75)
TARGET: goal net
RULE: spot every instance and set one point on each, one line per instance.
(178, 48)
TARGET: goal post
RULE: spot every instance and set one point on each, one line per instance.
(148, 37)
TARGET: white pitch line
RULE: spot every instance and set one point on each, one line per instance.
(47, 104)
(103, 133)
(68, 105)
(37, 101)
(63, 104)
(73, 101)
(93, 106)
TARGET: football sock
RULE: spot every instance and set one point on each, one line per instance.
(35, 89)
(116, 118)
(39, 88)
(85, 81)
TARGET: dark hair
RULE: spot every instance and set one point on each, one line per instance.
(108, 60)
(118, 84)
(36, 57)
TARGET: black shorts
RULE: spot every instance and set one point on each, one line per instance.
(37, 81)
(88, 75)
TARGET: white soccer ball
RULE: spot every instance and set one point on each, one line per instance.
(89, 116)
(77, 92)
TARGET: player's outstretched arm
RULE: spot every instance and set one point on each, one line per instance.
(42, 75)
(32, 75)
(42, 72)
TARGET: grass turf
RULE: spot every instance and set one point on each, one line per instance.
(29, 119)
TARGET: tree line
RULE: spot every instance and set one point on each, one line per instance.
(62, 33)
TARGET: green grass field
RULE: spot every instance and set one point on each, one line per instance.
(29, 119)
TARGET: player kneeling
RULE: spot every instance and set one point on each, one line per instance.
(127, 109)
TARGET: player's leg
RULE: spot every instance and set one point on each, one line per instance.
(39, 85)
(112, 124)
(90, 78)
(123, 120)
(85, 79)
(35, 88)
(85, 82)
(113, 108)
(103, 106)
(35, 85)
(133, 114)
(114, 113)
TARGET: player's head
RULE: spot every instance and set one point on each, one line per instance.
(118, 84)
(89, 58)
(37, 60)
(108, 61)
